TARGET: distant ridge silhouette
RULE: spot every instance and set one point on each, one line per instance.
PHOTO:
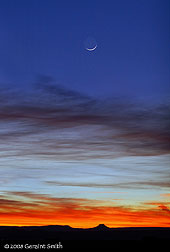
(65, 232)
(57, 227)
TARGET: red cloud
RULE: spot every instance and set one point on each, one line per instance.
(165, 208)
(37, 209)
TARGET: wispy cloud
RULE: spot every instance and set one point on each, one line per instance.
(165, 208)
(39, 209)
(126, 185)
(166, 195)
(161, 205)
(68, 125)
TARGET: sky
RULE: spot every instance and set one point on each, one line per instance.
(84, 135)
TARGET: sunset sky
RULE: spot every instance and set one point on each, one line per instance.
(85, 135)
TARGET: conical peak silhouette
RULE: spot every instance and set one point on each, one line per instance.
(102, 227)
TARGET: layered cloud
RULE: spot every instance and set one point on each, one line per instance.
(64, 153)
(27, 208)
(68, 125)
(127, 185)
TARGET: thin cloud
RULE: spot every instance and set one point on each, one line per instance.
(161, 205)
(122, 185)
(44, 209)
(166, 195)
(66, 124)
(165, 208)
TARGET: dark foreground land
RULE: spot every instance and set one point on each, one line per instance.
(65, 236)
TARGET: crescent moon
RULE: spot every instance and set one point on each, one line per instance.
(91, 49)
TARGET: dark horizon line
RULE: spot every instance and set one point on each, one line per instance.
(100, 226)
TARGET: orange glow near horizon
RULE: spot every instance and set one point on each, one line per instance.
(81, 213)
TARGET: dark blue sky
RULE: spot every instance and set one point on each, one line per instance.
(47, 37)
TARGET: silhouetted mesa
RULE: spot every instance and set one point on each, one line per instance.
(101, 232)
